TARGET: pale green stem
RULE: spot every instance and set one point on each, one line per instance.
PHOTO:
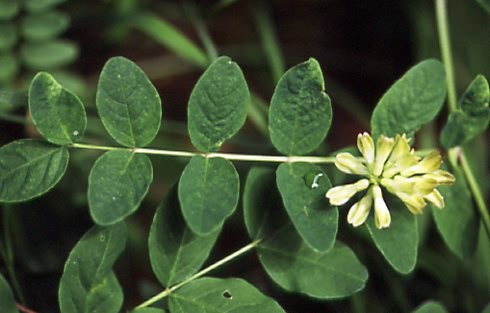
(228, 156)
(208, 269)
(475, 189)
(445, 42)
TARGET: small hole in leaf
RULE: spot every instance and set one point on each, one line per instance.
(227, 295)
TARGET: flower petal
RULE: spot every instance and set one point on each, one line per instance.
(349, 164)
(414, 202)
(365, 144)
(382, 215)
(436, 199)
(359, 212)
(341, 194)
(442, 177)
(384, 146)
(428, 164)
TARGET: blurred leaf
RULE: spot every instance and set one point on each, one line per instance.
(232, 295)
(118, 182)
(9, 9)
(458, 222)
(415, 99)
(8, 36)
(430, 307)
(30, 168)
(486, 309)
(44, 26)
(476, 97)
(40, 5)
(208, 193)
(473, 115)
(8, 67)
(303, 187)
(218, 105)
(88, 284)
(399, 242)
(170, 37)
(287, 259)
(58, 113)
(300, 113)
(485, 4)
(175, 252)
(128, 103)
(49, 55)
(461, 127)
(7, 300)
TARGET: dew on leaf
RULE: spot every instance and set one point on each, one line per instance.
(312, 179)
(113, 198)
(75, 133)
(227, 295)
(102, 238)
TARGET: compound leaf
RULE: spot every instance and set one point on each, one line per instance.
(128, 104)
(231, 295)
(208, 193)
(9, 66)
(430, 307)
(88, 284)
(8, 36)
(303, 187)
(300, 112)
(118, 182)
(175, 251)
(148, 310)
(462, 127)
(40, 5)
(218, 105)
(58, 114)
(412, 101)
(7, 300)
(9, 9)
(30, 168)
(44, 26)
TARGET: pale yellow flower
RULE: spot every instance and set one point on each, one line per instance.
(390, 164)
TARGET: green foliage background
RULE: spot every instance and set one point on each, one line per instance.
(362, 50)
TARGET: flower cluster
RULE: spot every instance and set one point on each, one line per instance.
(393, 165)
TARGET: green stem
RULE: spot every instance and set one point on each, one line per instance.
(475, 189)
(230, 257)
(229, 156)
(15, 119)
(202, 31)
(445, 42)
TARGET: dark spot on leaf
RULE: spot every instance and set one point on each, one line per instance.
(227, 295)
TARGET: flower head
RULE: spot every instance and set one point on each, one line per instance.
(390, 164)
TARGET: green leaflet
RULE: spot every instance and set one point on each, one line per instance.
(40, 5)
(58, 113)
(7, 300)
(458, 221)
(44, 26)
(300, 113)
(29, 168)
(128, 104)
(208, 193)
(315, 220)
(118, 182)
(398, 243)
(287, 259)
(8, 36)
(231, 295)
(430, 307)
(8, 67)
(472, 117)
(175, 252)
(170, 37)
(48, 55)
(415, 99)
(9, 9)
(218, 105)
(486, 309)
(88, 284)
